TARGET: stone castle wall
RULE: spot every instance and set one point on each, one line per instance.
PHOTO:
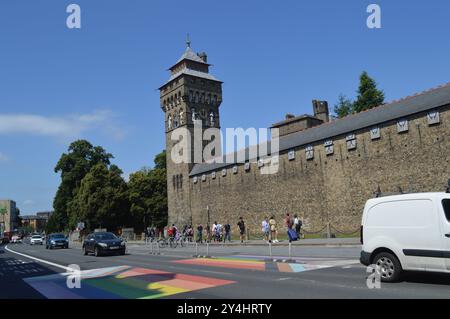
(331, 188)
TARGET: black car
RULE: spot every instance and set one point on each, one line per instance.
(56, 240)
(102, 243)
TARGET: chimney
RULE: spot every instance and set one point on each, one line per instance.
(321, 111)
(203, 56)
(289, 116)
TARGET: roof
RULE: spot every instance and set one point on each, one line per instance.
(294, 119)
(190, 55)
(195, 73)
(410, 105)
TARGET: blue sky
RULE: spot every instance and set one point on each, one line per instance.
(99, 82)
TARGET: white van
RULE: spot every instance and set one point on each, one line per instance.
(406, 232)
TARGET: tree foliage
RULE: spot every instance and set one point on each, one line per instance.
(148, 194)
(93, 191)
(343, 107)
(368, 94)
(101, 200)
(74, 166)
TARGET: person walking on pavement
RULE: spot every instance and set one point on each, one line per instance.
(241, 226)
(265, 229)
(273, 230)
(297, 225)
(227, 229)
(200, 234)
(208, 233)
(289, 223)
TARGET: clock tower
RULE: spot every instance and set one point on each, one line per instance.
(191, 95)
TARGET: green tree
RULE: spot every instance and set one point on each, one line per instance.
(368, 94)
(101, 200)
(148, 195)
(74, 166)
(343, 107)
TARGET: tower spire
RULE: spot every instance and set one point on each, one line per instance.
(188, 41)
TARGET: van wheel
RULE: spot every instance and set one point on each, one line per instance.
(388, 266)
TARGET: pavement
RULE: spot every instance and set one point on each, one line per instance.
(238, 272)
(302, 242)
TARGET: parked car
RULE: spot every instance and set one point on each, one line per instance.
(102, 243)
(56, 240)
(36, 240)
(406, 232)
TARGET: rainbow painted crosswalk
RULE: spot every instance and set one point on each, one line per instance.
(259, 263)
(123, 282)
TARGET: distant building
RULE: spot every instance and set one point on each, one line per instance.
(8, 216)
(37, 222)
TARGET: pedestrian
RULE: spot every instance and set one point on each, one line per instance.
(298, 225)
(227, 229)
(273, 230)
(218, 232)
(200, 233)
(208, 233)
(265, 229)
(190, 233)
(241, 226)
(289, 223)
(213, 230)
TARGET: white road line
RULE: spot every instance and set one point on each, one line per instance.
(68, 269)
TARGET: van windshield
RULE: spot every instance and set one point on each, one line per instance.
(446, 206)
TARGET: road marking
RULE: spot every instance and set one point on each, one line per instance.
(68, 269)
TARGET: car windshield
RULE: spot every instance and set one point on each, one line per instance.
(105, 236)
(58, 236)
(36, 236)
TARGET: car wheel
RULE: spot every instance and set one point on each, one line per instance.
(50, 247)
(85, 252)
(388, 266)
(96, 252)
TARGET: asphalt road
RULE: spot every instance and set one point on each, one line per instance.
(235, 272)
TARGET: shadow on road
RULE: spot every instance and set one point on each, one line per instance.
(427, 278)
(12, 272)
